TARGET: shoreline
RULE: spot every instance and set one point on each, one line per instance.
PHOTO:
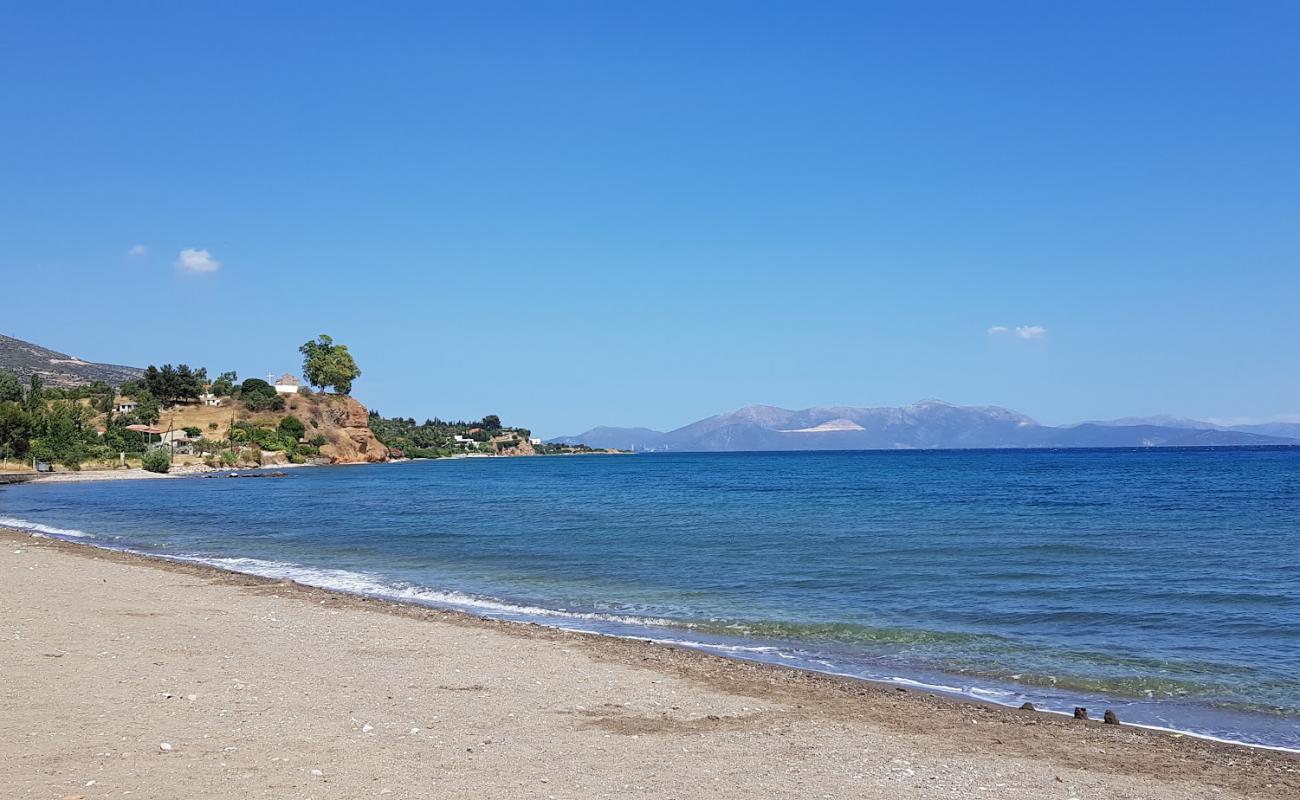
(1142, 751)
(501, 611)
(200, 470)
(899, 683)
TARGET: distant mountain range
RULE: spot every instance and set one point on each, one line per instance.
(25, 359)
(929, 424)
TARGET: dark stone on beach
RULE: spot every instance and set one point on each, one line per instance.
(1027, 707)
(1080, 712)
(1110, 718)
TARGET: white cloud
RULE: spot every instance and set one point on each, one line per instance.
(996, 329)
(197, 261)
(138, 250)
(1031, 331)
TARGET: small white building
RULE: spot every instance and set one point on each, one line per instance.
(210, 399)
(535, 441)
(124, 405)
(287, 384)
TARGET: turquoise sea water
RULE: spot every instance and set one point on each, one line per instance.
(1163, 584)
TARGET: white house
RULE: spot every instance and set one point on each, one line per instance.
(124, 405)
(534, 441)
(287, 384)
(209, 399)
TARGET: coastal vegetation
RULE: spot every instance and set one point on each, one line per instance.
(436, 438)
(156, 461)
(219, 422)
(174, 413)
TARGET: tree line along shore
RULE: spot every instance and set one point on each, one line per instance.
(180, 416)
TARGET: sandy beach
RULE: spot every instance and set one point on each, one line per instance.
(126, 676)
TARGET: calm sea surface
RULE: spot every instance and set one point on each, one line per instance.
(1163, 584)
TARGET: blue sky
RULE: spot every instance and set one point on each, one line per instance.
(574, 214)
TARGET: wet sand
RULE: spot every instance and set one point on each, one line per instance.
(268, 689)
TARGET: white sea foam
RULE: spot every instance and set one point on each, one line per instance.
(373, 586)
(43, 530)
(722, 648)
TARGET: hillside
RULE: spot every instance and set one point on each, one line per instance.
(341, 420)
(25, 359)
(929, 424)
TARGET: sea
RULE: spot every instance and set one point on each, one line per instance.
(1163, 584)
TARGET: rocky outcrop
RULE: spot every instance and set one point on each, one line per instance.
(346, 424)
(513, 445)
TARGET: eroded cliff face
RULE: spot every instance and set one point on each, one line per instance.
(343, 422)
(522, 447)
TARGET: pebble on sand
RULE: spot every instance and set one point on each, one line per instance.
(166, 747)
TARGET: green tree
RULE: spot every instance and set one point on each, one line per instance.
(491, 422)
(224, 385)
(11, 391)
(35, 397)
(326, 364)
(15, 430)
(259, 395)
(292, 428)
(175, 384)
(156, 461)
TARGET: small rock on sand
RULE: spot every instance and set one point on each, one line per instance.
(166, 747)
(1110, 717)
(1080, 712)
(1028, 707)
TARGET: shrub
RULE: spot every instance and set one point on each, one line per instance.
(156, 461)
(292, 428)
(212, 426)
(193, 431)
(318, 441)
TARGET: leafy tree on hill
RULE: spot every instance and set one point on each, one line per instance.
(292, 428)
(224, 385)
(11, 391)
(326, 364)
(174, 384)
(259, 395)
(491, 422)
